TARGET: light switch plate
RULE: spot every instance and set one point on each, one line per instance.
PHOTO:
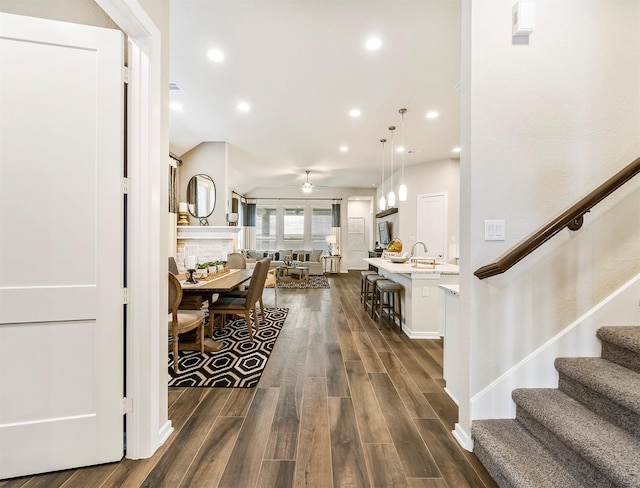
(494, 230)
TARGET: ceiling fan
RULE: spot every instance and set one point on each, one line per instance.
(308, 187)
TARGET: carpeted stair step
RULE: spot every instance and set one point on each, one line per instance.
(610, 390)
(598, 453)
(515, 459)
(621, 345)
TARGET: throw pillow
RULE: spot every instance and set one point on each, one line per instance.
(315, 255)
(255, 254)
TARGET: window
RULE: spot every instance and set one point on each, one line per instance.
(265, 227)
(320, 227)
(294, 227)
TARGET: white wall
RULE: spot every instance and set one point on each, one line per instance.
(542, 125)
(209, 158)
(432, 177)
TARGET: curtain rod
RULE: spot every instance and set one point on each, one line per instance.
(290, 198)
(174, 158)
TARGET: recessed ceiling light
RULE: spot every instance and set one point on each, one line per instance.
(373, 43)
(399, 149)
(354, 112)
(344, 148)
(215, 55)
(176, 106)
(244, 107)
(432, 114)
(456, 149)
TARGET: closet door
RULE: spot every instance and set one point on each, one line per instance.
(61, 245)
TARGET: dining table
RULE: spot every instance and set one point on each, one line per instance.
(206, 288)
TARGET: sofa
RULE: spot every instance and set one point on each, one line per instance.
(312, 259)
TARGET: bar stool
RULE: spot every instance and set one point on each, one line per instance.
(387, 296)
(363, 280)
(370, 291)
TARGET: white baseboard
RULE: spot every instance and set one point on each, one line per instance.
(420, 335)
(537, 370)
(448, 392)
(463, 438)
(165, 432)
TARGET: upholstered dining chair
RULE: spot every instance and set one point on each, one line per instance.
(236, 260)
(243, 304)
(182, 320)
(270, 280)
(173, 266)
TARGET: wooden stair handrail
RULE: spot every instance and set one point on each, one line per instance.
(571, 218)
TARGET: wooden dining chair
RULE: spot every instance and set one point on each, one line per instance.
(269, 280)
(242, 304)
(182, 320)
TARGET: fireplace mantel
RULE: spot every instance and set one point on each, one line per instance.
(207, 232)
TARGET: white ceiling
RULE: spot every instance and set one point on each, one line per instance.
(302, 66)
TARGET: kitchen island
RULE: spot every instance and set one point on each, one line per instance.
(422, 303)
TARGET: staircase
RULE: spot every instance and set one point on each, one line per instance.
(585, 433)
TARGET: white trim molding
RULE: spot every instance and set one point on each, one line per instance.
(146, 425)
(463, 437)
(208, 232)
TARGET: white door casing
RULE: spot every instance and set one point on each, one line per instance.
(61, 255)
(432, 225)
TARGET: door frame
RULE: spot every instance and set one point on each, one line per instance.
(147, 425)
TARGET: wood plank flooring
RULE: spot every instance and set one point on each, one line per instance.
(341, 403)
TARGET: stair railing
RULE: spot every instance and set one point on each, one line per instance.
(571, 218)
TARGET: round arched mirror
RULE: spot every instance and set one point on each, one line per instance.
(201, 197)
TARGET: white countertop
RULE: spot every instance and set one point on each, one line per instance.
(406, 268)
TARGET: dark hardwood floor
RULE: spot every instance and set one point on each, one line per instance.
(340, 404)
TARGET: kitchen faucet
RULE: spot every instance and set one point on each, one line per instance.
(414, 246)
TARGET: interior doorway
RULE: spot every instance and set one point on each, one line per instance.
(432, 225)
(359, 231)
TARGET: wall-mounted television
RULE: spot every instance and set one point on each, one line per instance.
(384, 229)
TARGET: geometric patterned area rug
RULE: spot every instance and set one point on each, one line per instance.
(240, 362)
(315, 281)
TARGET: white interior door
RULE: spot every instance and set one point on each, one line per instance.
(61, 245)
(432, 225)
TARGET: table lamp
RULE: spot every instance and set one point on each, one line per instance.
(331, 240)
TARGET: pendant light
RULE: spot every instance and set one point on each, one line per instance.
(402, 191)
(391, 201)
(382, 205)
